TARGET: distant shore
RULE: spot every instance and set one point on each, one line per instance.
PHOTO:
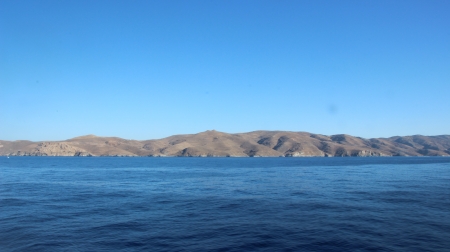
(251, 144)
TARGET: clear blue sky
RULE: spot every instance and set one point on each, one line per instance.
(150, 69)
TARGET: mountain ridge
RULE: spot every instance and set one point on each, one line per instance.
(213, 143)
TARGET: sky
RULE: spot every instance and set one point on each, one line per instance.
(151, 69)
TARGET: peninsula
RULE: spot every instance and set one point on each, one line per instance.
(252, 144)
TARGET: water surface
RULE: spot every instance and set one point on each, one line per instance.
(224, 204)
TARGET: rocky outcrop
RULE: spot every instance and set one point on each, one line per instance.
(50, 149)
(252, 144)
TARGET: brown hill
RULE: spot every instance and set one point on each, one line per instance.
(252, 144)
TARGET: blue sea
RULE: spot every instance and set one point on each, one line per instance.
(224, 204)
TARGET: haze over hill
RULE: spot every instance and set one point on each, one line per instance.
(252, 144)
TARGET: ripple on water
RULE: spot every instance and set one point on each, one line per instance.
(151, 204)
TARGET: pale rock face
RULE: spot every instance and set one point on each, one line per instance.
(83, 154)
(363, 153)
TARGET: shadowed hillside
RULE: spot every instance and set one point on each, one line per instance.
(251, 144)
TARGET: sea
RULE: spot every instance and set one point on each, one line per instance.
(224, 204)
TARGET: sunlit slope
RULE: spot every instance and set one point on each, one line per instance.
(251, 144)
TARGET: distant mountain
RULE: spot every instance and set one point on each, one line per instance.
(251, 144)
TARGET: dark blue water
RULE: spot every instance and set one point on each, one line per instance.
(224, 204)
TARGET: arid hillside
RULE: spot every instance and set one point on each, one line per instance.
(251, 144)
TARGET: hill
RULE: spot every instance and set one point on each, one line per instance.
(251, 144)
